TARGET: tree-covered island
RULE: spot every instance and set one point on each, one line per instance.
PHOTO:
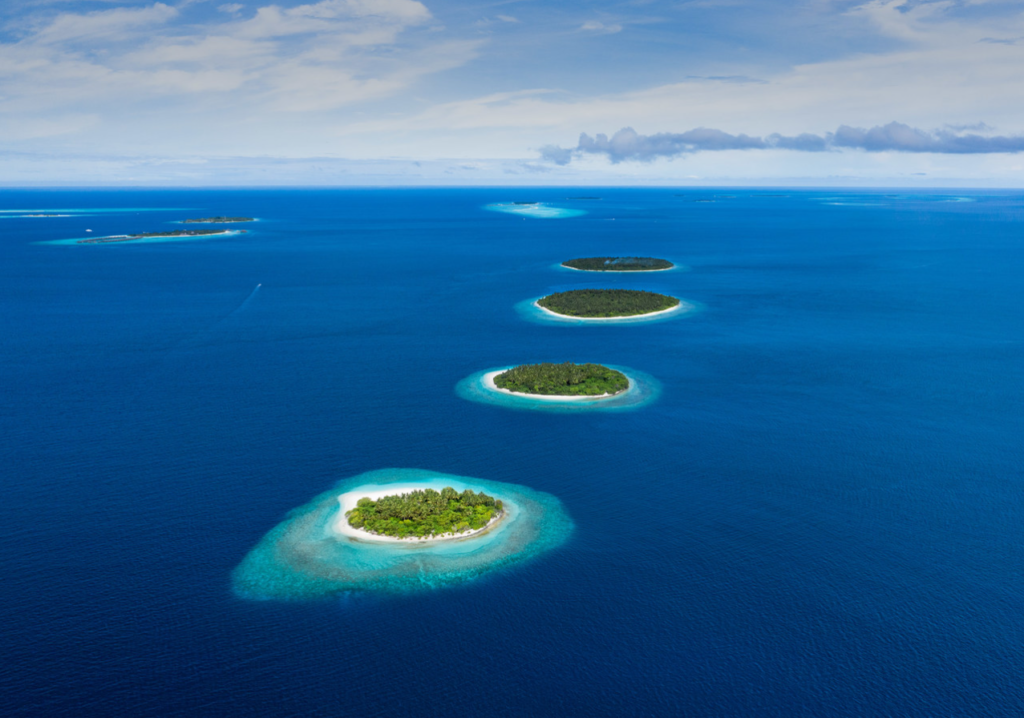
(619, 264)
(152, 235)
(565, 379)
(598, 303)
(217, 220)
(425, 513)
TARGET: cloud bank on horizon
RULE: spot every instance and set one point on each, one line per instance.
(153, 90)
(627, 144)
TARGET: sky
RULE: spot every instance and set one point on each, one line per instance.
(520, 92)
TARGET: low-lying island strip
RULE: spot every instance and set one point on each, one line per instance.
(559, 382)
(607, 303)
(157, 235)
(619, 264)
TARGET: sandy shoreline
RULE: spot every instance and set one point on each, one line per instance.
(488, 381)
(620, 271)
(348, 501)
(660, 312)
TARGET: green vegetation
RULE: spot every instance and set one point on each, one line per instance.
(147, 235)
(217, 220)
(424, 513)
(618, 264)
(566, 379)
(606, 302)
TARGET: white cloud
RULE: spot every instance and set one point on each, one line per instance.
(599, 27)
(230, 7)
(98, 26)
(938, 74)
(311, 57)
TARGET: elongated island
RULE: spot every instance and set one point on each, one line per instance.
(561, 381)
(420, 515)
(619, 264)
(607, 303)
(217, 220)
(157, 235)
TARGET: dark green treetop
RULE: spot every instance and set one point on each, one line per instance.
(606, 302)
(618, 264)
(424, 513)
(565, 379)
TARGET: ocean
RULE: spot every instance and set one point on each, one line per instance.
(819, 512)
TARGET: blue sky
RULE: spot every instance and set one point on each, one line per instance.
(517, 92)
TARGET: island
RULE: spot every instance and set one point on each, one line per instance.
(607, 303)
(155, 235)
(314, 553)
(217, 220)
(426, 514)
(619, 264)
(562, 380)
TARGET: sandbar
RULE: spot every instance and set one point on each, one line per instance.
(348, 500)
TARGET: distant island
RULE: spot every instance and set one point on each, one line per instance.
(425, 513)
(151, 235)
(567, 379)
(217, 220)
(619, 264)
(606, 303)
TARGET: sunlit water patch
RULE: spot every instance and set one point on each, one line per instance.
(537, 210)
(533, 312)
(305, 558)
(479, 387)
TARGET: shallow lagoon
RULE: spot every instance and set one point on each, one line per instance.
(304, 558)
(539, 210)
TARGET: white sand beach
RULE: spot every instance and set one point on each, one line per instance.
(682, 306)
(620, 271)
(349, 499)
(488, 381)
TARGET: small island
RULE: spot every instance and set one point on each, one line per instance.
(619, 264)
(155, 235)
(606, 303)
(217, 220)
(426, 514)
(562, 380)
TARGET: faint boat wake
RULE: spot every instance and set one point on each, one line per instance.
(245, 302)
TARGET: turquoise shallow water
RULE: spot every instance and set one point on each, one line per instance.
(539, 210)
(643, 389)
(302, 558)
(77, 241)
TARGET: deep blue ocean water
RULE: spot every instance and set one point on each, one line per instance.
(822, 514)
